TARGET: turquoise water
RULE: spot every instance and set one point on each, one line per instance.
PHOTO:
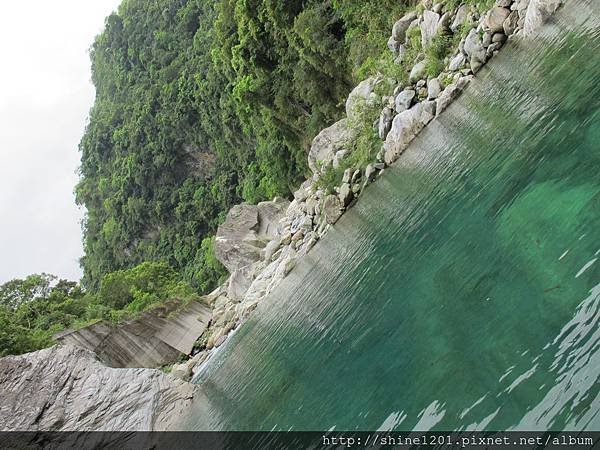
(462, 291)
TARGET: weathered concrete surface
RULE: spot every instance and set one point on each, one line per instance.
(66, 388)
(154, 340)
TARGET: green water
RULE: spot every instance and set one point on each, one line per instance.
(463, 290)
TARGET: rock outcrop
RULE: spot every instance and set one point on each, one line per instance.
(66, 388)
(157, 338)
(246, 231)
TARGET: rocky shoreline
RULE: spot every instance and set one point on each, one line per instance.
(260, 244)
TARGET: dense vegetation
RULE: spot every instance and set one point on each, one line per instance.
(34, 309)
(202, 104)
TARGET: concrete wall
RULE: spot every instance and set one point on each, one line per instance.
(156, 339)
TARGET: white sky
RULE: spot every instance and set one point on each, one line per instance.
(45, 96)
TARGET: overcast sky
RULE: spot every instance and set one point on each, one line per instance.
(45, 96)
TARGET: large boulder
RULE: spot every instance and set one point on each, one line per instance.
(401, 26)
(65, 388)
(429, 27)
(363, 94)
(328, 142)
(494, 20)
(246, 231)
(475, 50)
(537, 13)
(405, 127)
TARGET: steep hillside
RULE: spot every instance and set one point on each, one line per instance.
(202, 104)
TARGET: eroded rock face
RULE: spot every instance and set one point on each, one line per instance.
(66, 388)
(246, 231)
(328, 142)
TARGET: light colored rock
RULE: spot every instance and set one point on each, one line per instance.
(503, 3)
(393, 45)
(474, 49)
(401, 26)
(345, 194)
(460, 18)
(538, 12)
(457, 62)
(239, 282)
(434, 89)
(495, 18)
(328, 142)
(338, 158)
(405, 127)
(182, 372)
(429, 27)
(510, 24)
(246, 231)
(443, 25)
(385, 122)
(271, 248)
(360, 96)
(332, 207)
(451, 92)
(417, 72)
(65, 388)
(487, 39)
(404, 100)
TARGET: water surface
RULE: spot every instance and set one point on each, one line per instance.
(462, 292)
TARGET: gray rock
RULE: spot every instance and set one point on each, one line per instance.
(495, 18)
(405, 127)
(332, 207)
(503, 3)
(474, 49)
(401, 26)
(457, 62)
(538, 12)
(404, 100)
(246, 231)
(443, 26)
(182, 372)
(437, 8)
(434, 88)
(65, 388)
(271, 248)
(239, 282)
(370, 173)
(385, 122)
(347, 176)
(499, 37)
(338, 158)
(417, 72)
(328, 142)
(345, 194)
(460, 18)
(510, 24)
(449, 94)
(157, 338)
(493, 48)
(393, 45)
(487, 39)
(361, 95)
(429, 27)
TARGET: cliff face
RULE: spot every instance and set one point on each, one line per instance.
(66, 388)
(157, 338)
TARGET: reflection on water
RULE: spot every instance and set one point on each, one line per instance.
(463, 290)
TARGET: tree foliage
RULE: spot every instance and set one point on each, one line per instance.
(202, 104)
(34, 309)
